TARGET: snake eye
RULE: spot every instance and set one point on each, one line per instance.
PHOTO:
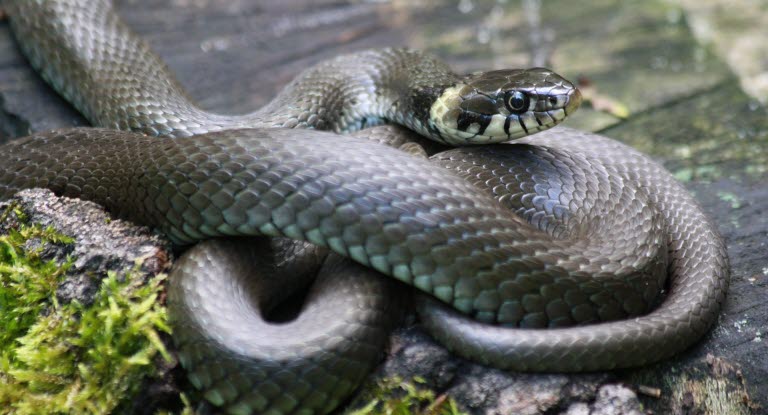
(516, 101)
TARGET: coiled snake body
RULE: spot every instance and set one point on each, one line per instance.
(561, 229)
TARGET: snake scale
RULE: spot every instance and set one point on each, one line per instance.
(562, 229)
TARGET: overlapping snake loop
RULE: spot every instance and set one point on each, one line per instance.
(563, 230)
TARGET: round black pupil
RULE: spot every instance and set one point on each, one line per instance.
(517, 101)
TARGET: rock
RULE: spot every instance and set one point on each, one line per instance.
(616, 399)
(482, 390)
(101, 244)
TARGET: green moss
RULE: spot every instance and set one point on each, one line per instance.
(69, 358)
(394, 396)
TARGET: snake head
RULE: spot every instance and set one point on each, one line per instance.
(496, 106)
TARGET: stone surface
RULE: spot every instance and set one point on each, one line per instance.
(649, 80)
(101, 244)
(735, 29)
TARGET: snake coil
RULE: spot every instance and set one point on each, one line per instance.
(563, 230)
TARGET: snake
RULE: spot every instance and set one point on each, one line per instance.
(533, 248)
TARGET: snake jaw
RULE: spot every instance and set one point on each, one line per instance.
(498, 106)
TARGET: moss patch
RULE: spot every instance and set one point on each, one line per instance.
(393, 396)
(69, 358)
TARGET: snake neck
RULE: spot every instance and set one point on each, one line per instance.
(366, 88)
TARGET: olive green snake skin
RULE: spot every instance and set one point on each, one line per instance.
(563, 230)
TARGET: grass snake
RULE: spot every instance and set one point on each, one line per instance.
(562, 229)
